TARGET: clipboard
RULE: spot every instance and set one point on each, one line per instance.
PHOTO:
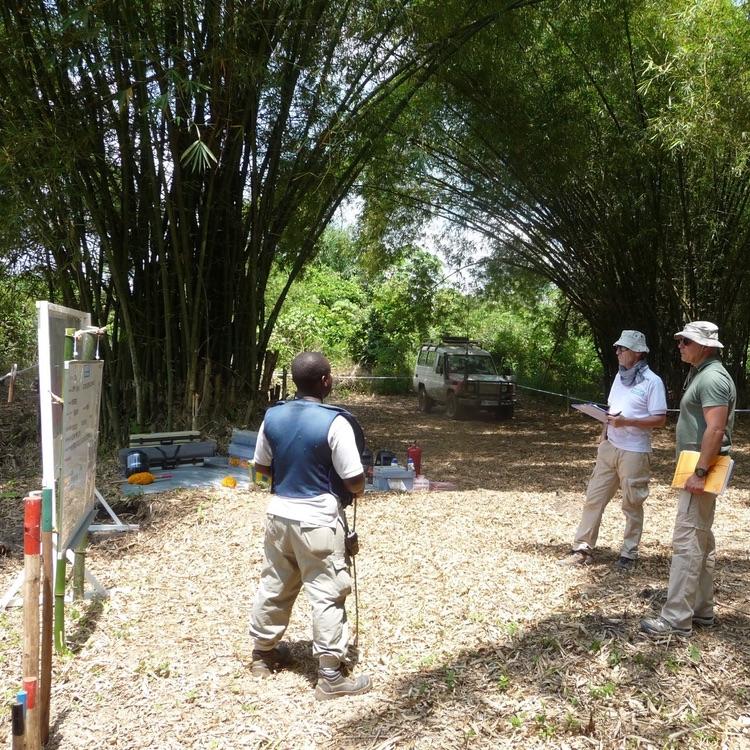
(592, 410)
(717, 479)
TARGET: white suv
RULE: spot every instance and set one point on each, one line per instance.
(458, 373)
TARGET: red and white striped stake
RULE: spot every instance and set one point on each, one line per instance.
(32, 536)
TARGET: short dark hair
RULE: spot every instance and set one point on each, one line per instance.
(307, 370)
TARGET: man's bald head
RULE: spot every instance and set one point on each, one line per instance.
(311, 373)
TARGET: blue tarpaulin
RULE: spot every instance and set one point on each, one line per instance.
(209, 474)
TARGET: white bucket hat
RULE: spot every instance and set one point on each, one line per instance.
(702, 332)
(633, 340)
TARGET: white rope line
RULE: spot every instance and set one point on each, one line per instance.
(372, 377)
(568, 397)
(18, 372)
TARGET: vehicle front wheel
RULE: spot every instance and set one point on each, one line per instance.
(452, 407)
(425, 402)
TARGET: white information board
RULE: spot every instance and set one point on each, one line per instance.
(51, 325)
(80, 437)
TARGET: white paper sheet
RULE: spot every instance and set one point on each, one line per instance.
(593, 411)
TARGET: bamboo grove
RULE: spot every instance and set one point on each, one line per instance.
(160, 155)
(605, 148)
(158, 158)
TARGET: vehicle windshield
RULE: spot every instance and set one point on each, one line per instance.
(471, 364)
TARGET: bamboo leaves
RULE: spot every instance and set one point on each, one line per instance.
(198, 157)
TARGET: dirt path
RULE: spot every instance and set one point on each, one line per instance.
(473, 633)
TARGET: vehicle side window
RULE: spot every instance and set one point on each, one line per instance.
(430, 358)
(422, 357)
(439, 366)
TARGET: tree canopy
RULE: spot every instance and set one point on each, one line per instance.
(161, 155)
(603, 146)
(171, 166)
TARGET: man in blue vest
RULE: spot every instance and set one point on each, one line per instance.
(310, 451)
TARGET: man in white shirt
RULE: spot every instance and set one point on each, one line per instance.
(310, 451)
(637, 403)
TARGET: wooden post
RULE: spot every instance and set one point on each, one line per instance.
(12, 382)
(30, 665)
(45, 682)
(33, 740)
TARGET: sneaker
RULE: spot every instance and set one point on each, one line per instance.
(577, 557)
(333, 684)
(704, 622)
(267, 662)
(659, 626)
(624, 563)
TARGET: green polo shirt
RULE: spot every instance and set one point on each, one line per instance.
(708, 385)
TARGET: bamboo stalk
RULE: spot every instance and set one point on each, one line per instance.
(45, 685)
(85, 352)
(59, 623)
(79, 568)
(30, 665)
(60, 570)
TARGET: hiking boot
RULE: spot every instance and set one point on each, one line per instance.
(577, 557)
(658, 626)
(266, 662)
(704, 622)
(624, 564)
(333, 684)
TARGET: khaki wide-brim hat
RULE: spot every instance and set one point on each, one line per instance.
(702, 332)
(633, 340)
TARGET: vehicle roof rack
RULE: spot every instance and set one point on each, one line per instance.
(459, 340)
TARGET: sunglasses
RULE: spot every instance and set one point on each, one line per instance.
(684, 342)
(621, 349)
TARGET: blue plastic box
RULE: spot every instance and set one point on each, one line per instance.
(381, 475)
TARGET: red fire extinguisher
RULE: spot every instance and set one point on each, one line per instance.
(414, 452)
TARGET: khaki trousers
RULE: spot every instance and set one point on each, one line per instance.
(628, 470)
(691, 575)
(313, 558)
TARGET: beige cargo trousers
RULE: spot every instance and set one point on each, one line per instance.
(628, 470)
(691, 575)
(314, 558)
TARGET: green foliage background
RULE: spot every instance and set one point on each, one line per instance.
(18, 319)
(377, 319)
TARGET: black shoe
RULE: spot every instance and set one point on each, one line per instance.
(624, 564)
(267, 662)
(333, 684)
(704, 622)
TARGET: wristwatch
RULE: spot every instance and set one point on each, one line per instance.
(700, 472)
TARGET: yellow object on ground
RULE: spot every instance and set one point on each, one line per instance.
(141, 477)
(229, 481)
(258, 479)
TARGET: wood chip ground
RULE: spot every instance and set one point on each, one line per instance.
(474, 634)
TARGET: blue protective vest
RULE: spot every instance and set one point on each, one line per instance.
(302, 464)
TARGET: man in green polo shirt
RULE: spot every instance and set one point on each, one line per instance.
(705, 424)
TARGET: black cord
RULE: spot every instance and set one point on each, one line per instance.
(354, 580)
